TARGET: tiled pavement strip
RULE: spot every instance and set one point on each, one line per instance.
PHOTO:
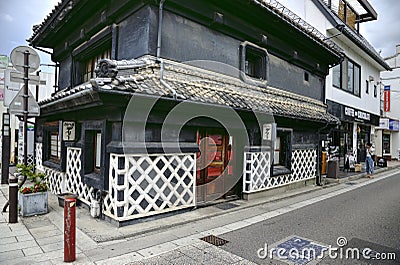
(39, 240)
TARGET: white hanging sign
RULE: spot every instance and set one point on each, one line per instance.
(68, 128)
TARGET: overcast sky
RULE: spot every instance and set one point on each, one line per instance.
(18, 16)
(384, 33)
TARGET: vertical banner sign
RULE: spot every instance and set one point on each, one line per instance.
(386, 98)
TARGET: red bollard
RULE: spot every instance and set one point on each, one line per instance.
(69, 229)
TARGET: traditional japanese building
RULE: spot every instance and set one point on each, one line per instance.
(171, 104)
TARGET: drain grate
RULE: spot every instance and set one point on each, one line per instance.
(226, 205)
(350, 183)
(214, 240)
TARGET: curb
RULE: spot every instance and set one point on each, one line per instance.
(357, 176)
(211, 215)
(247, 206)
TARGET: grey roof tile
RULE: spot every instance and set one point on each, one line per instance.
(207, 87)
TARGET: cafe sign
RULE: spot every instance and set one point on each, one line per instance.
(356, 115)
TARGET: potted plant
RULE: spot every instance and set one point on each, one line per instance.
(33, 199)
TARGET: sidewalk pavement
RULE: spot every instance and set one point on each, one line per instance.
(169, 240)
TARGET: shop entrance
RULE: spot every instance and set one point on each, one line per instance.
(343, 141)
(213, 170)
(363, 137)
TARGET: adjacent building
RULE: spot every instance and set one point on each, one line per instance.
(353, 86)
(166, 105)
(388, 138)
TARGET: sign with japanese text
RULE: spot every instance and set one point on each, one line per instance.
(386, 98)
(384, 123)
(267, 132)
(68, 128)
(394, 125)
(1, 92)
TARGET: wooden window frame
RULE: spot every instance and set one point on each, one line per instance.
(87, 54)
(57, 162)
(283, 166)
(90, 63)
(255, 66)
(96, 168)
(95, 177)
(259, 56)
(56, 158)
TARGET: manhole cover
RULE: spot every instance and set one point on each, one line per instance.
(216, 241)
(226, 205)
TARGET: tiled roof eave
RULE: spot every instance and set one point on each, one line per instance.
(198, 86)
(61, 9)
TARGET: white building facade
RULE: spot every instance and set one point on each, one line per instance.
(352, 87)
(388, 137)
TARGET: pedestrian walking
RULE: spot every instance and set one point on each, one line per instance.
(370, 160)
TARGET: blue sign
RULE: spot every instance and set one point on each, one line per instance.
(393, 125)
(386, 88)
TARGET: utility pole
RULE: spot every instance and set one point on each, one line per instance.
(26, 96)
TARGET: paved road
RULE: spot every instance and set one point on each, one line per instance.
(368, 216)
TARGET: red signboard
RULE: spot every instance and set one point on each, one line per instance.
(1, 92)
(386, 98)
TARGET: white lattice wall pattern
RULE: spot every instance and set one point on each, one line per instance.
(304, 164)
(39, 164)
(55, 180)
(30, 159)
(257, 175)
(73, 181)
(143, 185)
(257, 171)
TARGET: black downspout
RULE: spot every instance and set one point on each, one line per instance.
(56, 77)
(159, 59)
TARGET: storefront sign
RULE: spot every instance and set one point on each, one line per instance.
(393, 125)
(386, 98)
(388, 124)
(68, 130)
(383, 124)
(1, 92)
(350, 114)
(358, 115)
(267, 132)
